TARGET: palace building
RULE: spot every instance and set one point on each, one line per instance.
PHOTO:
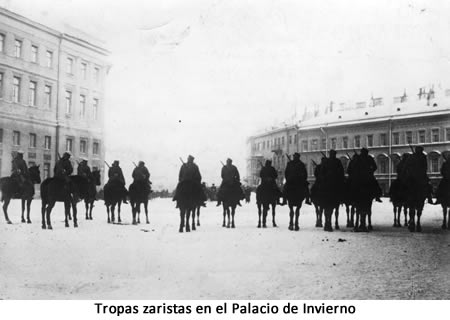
(51, 94)
(387, 128)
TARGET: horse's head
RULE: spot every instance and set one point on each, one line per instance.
(35, 174)
(97, 177)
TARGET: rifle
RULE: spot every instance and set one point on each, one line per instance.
(222, 163)
(134, 164)
(182, 161)
(348, 155)
(314, 163)
(107, 164)
(289, 158)
(323, 154)
(412, 149)
(261, 163)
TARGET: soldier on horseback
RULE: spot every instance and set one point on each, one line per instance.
(445, 181)
(295, 173)
(62, 170)
(189, 171)
(141, 174)
(368, 165)
(19, 170)
(269, 176)
(83, 169)
(230, 179)
(417, 166)
(115, 174)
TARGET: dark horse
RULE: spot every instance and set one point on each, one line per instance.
(113, 196)
(232, 194)
(362, 198)
(139, 192)
(397, 196)
(11, 189)
(91, 193)
(295, 193)
(188, 198)
(266, 197)
(443, 197)
(57, 190)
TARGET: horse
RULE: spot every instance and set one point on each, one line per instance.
(11, 189)
(188, 196)
(59, 190)
(295, 193)
(266, 197)
(231, 195)
(398, 198)
(443, 197)
(139, 192)
(362, 198)
(113, 196)
(91, 195)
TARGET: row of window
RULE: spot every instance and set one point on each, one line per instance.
(33, 95)
(34, 57)
(275, 142)
(32, 142)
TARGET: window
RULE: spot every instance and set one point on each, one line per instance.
(16, 89)
(282, 141)
(32, 140)
(290, 139)
(333, 143)
(383, 139)
(2, 42)
(83, 145)
(314, 144)
(95, 109)
(295, 138)
(47, 142)
(370, 140)
(323, 144)
(32, 94)
(31, 163)
(68, 102)
(408, 137)
(34, 54)
(69, 65)
(264, 144)
(69, 144)
(345, 142)
(383, 164)
(82, 106)
(16, 138)
(46, 170)
(48, 96)
(83, 70)
(95, 148)
(49, 58)
(96, 74)
(434, 135)
(357, 142)
(1, 84)
(305, 145)
(395, 138)
(421, 136)
(434, 163)
(447, 134)
(17, 48)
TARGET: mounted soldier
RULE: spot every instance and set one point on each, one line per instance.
(141, 174)
(367, 168)
(416, 171)
(296, 174)
(63, 170)
(230, 180)
(190, 173)
(19, 170)
(115, 175)
(83, 169)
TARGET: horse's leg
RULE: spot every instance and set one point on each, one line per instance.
(146, 211)
(336, 218)
(193, 217)
(198, 216)
(274, 224)
(86, 205)
(22, 200)
(138, 206)
(297, 214)
(352, 214)
(369, 218)
(75, 213)
(182, 213)
(396, 210)
(133, 212)
(29, 210)
(419, 214)
(113, 208)
(444, 221)
(107, 212)
(357, 213)
(43, 207)
(264, 218)
(412, 223)
(119, 206)
(259, 215)
(347, 211)
(224, 214)
(317, 215)
(49, 208)
(328, 212)
(291, 217)
(188, 216)
(91, 206)
(233, 210)
(5, 209)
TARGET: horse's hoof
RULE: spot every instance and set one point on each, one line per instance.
(193, 228)
(134, 223)
(348, 225)
(337, 227)
(181, 230)
(109, 221)
(23, 220)
(148, 222)
(67, 225)
(291, 228)
(233, 226)
(370, 228)
(198, 224)
(223, 226)
(28, 221)
(264, 226)
(8, 221)
(444, 227)
(44, 227)
(419, 228)
(188, 229)
(297, 228)
(259, 225)
(274, 225)
(75, 225)
(411, 228)
(50, 228)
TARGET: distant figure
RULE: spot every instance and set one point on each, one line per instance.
(141, 174)
(368, 164)
(189, 171)
(19, 170)
(115, 175)
(62, 170)
(83, 169)
(296, 174)
(416, 171)
(230, 180)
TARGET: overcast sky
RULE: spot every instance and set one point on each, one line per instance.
(199, 77)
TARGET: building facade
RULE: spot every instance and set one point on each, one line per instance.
(51, 94)
(387, 129)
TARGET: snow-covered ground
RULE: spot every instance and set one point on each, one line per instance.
(154, 261)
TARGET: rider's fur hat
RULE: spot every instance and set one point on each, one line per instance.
(296, 155)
